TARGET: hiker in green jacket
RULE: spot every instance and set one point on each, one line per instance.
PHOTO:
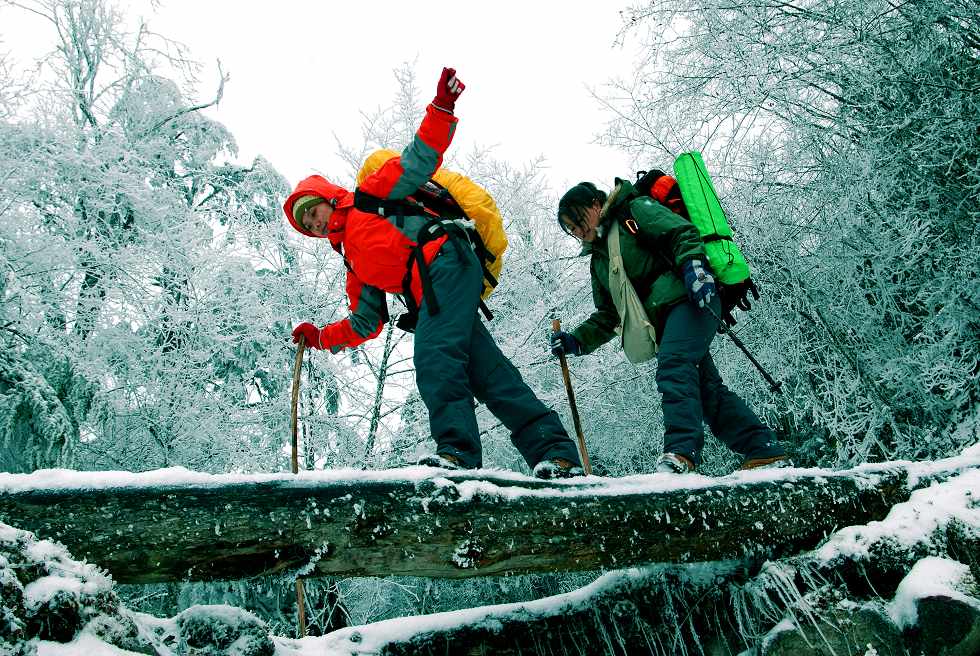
(664, 259)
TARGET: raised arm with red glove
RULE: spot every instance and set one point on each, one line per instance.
(422, 157)
(448, 90)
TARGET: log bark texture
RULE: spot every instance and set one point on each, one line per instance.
(839, 599)
(453, 526)
(632, 612)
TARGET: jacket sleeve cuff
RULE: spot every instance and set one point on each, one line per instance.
(334, 336)
(586, 345)
(688, 258)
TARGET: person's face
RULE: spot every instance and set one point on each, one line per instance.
(585, 228)
(315, 219)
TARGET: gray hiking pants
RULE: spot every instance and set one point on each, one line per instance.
(693, 391)
(457, 359)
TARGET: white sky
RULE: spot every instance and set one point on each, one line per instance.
(301, 71)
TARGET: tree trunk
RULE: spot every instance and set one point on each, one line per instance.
(379, 392)
(658, 610)
(818, 602)
(352, 523)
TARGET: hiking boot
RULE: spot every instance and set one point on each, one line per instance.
(441, 461)
(674, 463)
(770, 462)
(557, 468)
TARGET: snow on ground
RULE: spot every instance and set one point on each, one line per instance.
(930, 577)
(912, 522)
(83, 645)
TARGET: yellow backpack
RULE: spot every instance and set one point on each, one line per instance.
(471, 198)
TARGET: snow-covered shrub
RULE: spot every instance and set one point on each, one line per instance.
(223, 631)
(11, 603)
(46, 595)
(52, 596)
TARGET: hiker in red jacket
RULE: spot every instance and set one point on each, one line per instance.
(431, 262)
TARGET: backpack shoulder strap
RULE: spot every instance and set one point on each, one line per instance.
(386, 206)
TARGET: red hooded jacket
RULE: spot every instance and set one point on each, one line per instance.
(376, 248)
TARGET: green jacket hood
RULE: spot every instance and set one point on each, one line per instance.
(623, 191)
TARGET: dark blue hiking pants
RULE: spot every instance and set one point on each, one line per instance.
(693, 392)
(456, 360)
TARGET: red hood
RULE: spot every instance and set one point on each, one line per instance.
(317, 185)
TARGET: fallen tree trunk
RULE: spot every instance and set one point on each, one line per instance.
(178, 525)
(812, 603)
(648, 610)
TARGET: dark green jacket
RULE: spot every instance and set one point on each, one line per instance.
(652, 258)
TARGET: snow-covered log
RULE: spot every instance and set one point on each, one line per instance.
(179, 525)
(632, 611)
(791, 607)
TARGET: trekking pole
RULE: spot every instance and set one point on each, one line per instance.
(776, 386)
(586, 465)
(294, 420)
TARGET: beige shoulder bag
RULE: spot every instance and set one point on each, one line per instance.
(638, 334)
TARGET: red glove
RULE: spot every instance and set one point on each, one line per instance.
(448, 90)
(310, 332)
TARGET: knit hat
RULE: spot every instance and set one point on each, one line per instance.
(304, 203)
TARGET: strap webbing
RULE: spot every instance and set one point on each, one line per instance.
(433, 229)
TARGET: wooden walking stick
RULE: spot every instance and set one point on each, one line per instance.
(297, 370)
(294, 420)
(586, 465)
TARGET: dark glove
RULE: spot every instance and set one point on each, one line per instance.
(310, 332)
(737, 296)
(699, 282)
(448, 90)
(564, 343)
(743, 300)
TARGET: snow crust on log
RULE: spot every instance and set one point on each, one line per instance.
(421, 521)
(912, 522)
(502, 483)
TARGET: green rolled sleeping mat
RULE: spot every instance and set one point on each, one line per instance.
(706, 214)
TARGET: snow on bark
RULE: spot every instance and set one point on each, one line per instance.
(178, 525)
(660, 609)
(800, 605)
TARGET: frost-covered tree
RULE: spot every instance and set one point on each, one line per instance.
(149, 280)
(843, 135)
